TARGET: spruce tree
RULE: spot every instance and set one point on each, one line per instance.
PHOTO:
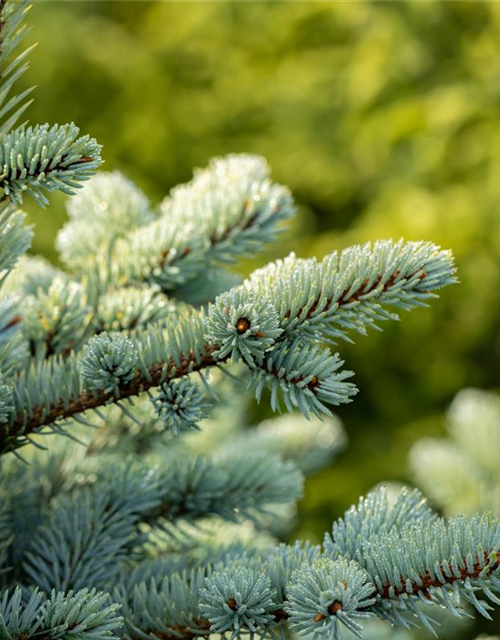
(117, 518)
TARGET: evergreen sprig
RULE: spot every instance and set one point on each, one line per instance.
(85, 615)
(129, 308)
(108, 362)
(349, 291)
(302, 374)
(329, 594)
(238, 598)
(106, 208)
(306, 377)
(228, 210)
(56, 320)
(151, 311)
(30, 274)
(43, 158)
(245, 326)
(13, 30)
(33, 160)
(180, 405)
(83, 540)
(443, 564)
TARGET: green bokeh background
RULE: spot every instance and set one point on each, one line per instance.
(382, 117)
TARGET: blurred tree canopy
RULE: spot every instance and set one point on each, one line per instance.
(382, 117)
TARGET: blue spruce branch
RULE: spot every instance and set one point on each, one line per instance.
(304, 375)
(100, 538)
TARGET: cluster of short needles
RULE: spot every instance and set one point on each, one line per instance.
(119, 518)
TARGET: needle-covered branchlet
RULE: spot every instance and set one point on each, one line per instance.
(143, 528)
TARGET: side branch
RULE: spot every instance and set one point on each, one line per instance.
(157, 373)
(449, 575)
(366, 289)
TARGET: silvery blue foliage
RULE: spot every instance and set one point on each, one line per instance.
(9, 319)
(85, 535)
(230, 486)
(180, 405)
(327, 594)
(57, 319)
(106, 208)
(43, 158)
(80, 615)
(283, 562)
(243, 326)
(238, 598)
(108, 362)
(376, 516)
(351, 290)
(230, 209)
(305, 377)
(31, 274)
(419, 559)
(131, 308)
(161, 606)
(125, 516)
(286, 358)
(85, 615)
(13, 64)
(234, 203)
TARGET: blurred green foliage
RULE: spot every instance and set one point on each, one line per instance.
(384, 119)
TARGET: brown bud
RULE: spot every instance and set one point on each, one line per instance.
(319, 617)
(335, 607)
(231, 603)
(242, 325)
